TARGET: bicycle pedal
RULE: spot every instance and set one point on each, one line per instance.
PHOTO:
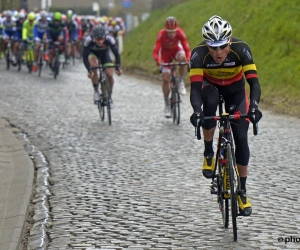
(213, 191)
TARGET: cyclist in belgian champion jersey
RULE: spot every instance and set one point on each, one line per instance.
(171, 43)
(218, 66)
(96, 46)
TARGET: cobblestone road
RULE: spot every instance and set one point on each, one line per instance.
(138, 184)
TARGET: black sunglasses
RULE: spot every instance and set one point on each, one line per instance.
(220, 47)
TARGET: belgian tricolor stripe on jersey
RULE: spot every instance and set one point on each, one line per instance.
(196, 75)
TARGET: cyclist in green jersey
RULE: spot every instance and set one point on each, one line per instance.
(28, 32)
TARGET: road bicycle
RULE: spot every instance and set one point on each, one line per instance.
(105, 96)
(56, 62)
(174, 95)
(226, 181)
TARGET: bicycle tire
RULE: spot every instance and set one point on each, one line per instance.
(223, 203)
(19, 58)
(233, 195)
(176, 106)
(30, 60)
(7, 56)
(108, 96)
(40, 62)
(101, 108)
(55, 66)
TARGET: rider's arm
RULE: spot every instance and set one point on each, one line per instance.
(185, 44)
(196, 79)
(157, 47)
(85, 56)
(24, 31)
(86, 52)
(114, 49)
(249, 69)
(35, 31)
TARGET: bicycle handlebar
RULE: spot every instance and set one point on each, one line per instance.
(225, 117)
(174, 64)
(103, 67)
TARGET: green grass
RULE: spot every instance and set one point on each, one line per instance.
(271, 28)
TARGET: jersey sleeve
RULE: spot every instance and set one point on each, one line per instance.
(250, 72)
(185, 44)
(24, 31)
(249, 67)
(196, 69)
(157, 47)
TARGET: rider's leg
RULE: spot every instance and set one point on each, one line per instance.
(37, 50)
(94, 63)
(210, 98)
(181, 58)
(166, 78)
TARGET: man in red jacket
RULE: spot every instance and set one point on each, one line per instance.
(171, 43)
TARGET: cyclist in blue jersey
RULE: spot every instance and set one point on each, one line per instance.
(40, 34)
(18, 35)
(9, 31)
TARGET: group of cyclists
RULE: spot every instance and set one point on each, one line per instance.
(219, 65)
(67, 28)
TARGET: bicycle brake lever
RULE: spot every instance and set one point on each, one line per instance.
(255, 125)
(197, 129)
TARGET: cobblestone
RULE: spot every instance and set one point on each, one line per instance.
(138, 184)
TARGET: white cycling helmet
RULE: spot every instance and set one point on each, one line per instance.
(216, 29)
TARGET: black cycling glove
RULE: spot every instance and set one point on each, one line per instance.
(195, 116)
(254, 113)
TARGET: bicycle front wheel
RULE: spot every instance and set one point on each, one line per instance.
(56, 66)
(40, 62)
(19, 59)
(108, 97)
(175, 105)
(223, 202)
(233, 179)
(101, 108)
(30, 60)
(7, 56)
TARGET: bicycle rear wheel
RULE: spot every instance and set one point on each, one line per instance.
(233, 179)
(108, 97)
